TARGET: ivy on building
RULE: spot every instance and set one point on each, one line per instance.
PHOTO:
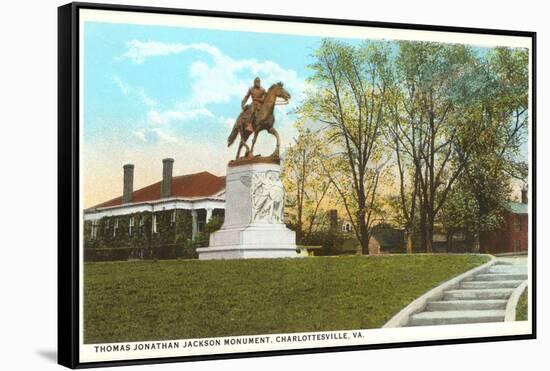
(113, 238)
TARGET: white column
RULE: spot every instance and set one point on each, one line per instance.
(208, 214)
(195, 224)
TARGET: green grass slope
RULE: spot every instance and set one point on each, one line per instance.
(521, 309)
(182, 299)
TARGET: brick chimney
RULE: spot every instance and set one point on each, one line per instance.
(166, 185)
(128, 185)
(524, 199)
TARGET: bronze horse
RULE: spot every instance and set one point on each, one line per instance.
(264, 119)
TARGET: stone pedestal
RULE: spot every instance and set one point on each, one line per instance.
(254, 219)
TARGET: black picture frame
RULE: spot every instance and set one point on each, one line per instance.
(68, 180)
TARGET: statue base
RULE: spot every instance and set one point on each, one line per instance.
(251, 242)
(253, 225)
(255, 160)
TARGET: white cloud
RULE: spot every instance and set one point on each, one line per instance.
(217, 79)
(163, 117)
(141, 135)
(155, 135)
(221, 79)
(137, 51)
(121, 85)
(226, 121)
(163, 136)
(149, 102)
(139, 92)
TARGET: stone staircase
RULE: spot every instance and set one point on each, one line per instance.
(481, 298)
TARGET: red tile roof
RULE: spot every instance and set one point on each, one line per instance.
(202, 184)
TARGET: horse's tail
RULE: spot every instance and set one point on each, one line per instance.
(231, 138)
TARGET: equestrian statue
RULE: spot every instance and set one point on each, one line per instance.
(258, 116)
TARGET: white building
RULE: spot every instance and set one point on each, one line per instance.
(202, 193)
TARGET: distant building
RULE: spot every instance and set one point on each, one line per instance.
(387, 240)
(384, 238)
(170, 212)
(512, 236)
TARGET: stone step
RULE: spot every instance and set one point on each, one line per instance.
(465, 305)
(455, 317)
(477, 294)
(508, 269)
(500, 277)
(490, 284)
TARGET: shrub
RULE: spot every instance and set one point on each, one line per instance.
(104, 254)
(331, 243)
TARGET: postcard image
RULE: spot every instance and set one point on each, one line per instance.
(256, 185)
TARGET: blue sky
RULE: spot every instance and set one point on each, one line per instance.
(189, 79)
(152, 92)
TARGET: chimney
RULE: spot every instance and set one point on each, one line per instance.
(166, 185)
(128, 186)
(524, 199)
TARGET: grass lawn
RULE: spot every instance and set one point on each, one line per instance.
(521, 309)
(182, 299)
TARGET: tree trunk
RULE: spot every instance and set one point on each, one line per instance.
(422, 229)
(299, 223)
(363, 234)
(477, 244)
(429, 234)
(409, 237)
(365, 244)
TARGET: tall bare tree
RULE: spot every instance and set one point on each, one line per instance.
(427, 75)
(402, 136)
(349, 99)
(305, 183)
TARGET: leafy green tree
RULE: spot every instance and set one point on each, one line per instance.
(349, 100)
(493, 102)
(423, 126)
(455, 119)
(464, 213)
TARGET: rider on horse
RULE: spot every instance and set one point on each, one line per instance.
(258, 116)
(258, 94)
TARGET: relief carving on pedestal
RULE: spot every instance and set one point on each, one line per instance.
(267, 198)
